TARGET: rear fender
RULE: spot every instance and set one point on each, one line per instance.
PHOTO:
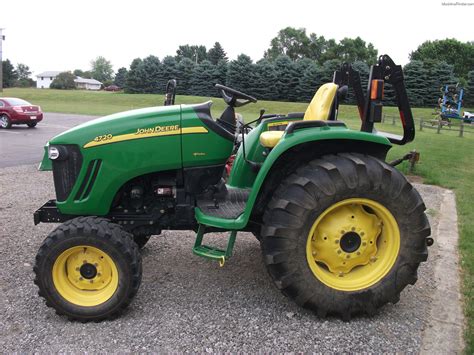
(293, 150)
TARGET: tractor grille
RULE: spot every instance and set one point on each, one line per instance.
(66, 170)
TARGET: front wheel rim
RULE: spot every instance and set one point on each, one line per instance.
(353, 244)
(85, 276)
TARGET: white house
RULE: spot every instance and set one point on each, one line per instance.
(88, 84)
(45, 79)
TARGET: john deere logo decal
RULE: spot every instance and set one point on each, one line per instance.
(157, 129)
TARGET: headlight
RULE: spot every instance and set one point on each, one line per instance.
(53, 153)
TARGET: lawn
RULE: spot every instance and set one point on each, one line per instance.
(446, 159)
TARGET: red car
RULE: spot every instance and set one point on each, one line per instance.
(18, 111)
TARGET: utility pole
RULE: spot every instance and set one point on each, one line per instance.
(2, 38)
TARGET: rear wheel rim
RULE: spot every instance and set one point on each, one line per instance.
(85, 276)
(353, 244)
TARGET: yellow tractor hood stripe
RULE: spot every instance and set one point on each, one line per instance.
(108, 139)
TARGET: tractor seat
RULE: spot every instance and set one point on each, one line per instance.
(319, 109)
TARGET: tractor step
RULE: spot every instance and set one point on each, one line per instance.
(212, 253)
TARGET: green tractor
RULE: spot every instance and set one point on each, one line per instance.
(342, 231)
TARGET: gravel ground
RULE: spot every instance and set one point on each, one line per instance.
(186, 303)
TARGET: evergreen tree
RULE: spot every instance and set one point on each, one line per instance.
(328, 69)
(169, 70)
(438, 75)
(202, 80)
(120, 77)
(309, 82)
(216, 54)
(153, 80)
(9, 74)
(239, 73)
(185, 69)
(263, 81)
(134, 80)
(416, 82)
(220, 73)
(469, 95)
(287, 78)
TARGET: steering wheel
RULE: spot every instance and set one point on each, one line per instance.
(233, 97)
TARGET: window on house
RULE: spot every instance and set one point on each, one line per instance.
(42, 78)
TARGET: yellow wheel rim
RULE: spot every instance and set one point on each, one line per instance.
(85, 276)
(353, 244)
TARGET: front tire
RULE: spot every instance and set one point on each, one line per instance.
(88, 269)
(344, 235)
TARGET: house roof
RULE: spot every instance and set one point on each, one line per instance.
(87, 81)
(51, 73)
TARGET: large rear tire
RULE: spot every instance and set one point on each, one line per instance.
(88, 269)
(344, 235)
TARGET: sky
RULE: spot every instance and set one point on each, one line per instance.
(68, 34)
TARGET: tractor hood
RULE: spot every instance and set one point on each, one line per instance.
(118, 127)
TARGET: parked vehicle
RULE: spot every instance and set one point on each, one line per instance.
(112, 88)
(468, 117)
(15, 111)
(342, 231)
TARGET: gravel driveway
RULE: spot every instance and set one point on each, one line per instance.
(185, 303)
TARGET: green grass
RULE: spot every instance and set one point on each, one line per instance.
(446, 160)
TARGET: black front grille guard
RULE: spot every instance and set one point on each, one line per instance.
(389, 72)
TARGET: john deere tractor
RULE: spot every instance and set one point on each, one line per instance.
(342, 232)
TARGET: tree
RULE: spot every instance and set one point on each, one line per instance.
(216, 54)
(152, 76)
(101, 69)
(309, 82)
(296, 44)
(196, 53)
(287, 79)
(169, 70)
(239, 73)
(291, 42)
(451, 51)
(184, 69)
(64, 81)
(203, 80)
(120, 77)
(438, 75)
(83, 74)
(263, 81)
(469, 96)
(9, 74)
(134, 80)
(23, 72)
(416, 82)
(220, 73)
